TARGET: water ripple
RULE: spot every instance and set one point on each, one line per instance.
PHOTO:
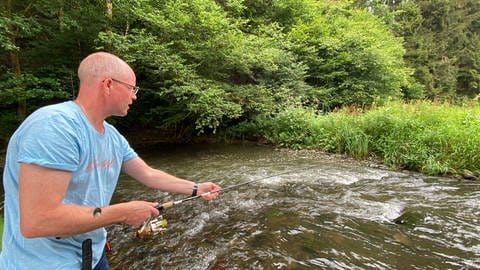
(336, 214)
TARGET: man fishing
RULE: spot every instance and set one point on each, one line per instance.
(62, 166)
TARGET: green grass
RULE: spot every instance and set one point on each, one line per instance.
(436, 139)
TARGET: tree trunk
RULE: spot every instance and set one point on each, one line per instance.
(15, 59)
(109, 13)
(61, 16)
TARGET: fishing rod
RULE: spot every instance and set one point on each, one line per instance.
(155, 225)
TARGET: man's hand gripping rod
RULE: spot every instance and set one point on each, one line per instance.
(154, 225)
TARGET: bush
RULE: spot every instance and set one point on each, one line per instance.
(435, 139)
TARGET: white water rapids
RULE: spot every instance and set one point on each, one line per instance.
(337, 214)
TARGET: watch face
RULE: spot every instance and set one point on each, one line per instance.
(97, 212)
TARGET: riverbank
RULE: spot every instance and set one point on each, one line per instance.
(431, 138)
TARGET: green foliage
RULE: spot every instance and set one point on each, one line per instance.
(422, 136)
(291, 127)
(352, 57)
(10, 122)
(17, 25)
(41, 43)
(199, 69)
(28, 86)
(441, 40)
(435, 139)
(204, 65)
(302, 128)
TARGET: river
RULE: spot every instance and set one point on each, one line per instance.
(322, 212)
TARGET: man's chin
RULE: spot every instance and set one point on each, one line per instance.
(121, 114)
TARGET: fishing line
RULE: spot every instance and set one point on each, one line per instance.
(169, 204)
(159, 224)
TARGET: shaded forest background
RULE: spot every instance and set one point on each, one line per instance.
(205, 66)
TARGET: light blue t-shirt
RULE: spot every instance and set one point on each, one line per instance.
(60, 137)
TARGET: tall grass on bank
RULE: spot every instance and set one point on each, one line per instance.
(435, 139)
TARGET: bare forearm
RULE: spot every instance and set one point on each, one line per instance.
(161, 180)
(66, 219)
(157, 179)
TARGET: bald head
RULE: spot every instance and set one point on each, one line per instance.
(100, 65)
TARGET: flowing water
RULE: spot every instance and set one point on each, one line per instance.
(329, 212)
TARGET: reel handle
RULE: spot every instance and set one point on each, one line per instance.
(164, 205)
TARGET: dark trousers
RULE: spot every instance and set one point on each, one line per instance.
(102, 264)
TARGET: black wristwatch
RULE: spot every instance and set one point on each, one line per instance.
(194, 191)
(97, 212)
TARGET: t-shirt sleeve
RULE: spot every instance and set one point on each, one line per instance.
(50, 142)
(128, 152)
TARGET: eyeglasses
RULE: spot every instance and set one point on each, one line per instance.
(133, 88)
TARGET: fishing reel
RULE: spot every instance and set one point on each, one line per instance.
(152, 226)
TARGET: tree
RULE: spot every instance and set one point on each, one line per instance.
(351, 55)
(441, 40)
(199, 70)
(32, 31)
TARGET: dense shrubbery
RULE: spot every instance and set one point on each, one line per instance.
(206, 65)
(422, 136)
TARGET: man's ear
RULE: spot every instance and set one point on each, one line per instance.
(107, 83)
